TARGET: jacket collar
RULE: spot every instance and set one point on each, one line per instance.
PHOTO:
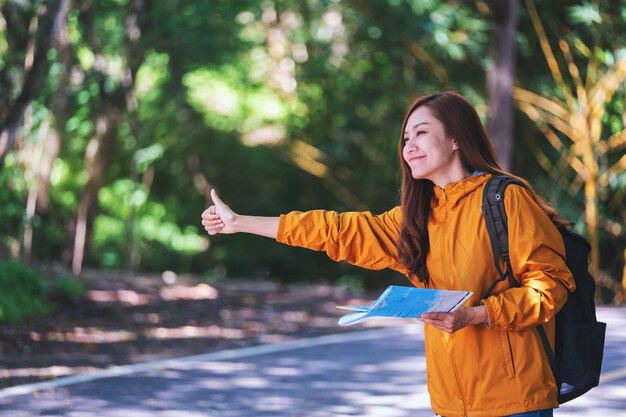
(453, 192)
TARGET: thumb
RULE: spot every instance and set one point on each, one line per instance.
(216, 199)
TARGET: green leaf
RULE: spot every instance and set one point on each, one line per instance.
(586, 13)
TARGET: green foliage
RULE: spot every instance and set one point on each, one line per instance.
(280, 105)
(12, 199)
(68, 287)
(23, 292)
(353, 282)
(586, 13)
(130, 222)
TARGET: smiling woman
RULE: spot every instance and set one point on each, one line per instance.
(485, 358)
(429, 152)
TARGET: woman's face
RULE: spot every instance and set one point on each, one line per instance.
(430, 154)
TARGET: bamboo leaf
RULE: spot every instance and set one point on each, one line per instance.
(546, 128)
(548, 54)
(309, 158)
(438, 70)
(606, 86)
(556, 174)
(306, 157)
(573, 70)
(617, 168)
(551, 106)
(539, 115)
(615, 142)
(582, 48)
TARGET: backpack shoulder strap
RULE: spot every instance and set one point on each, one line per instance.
(498, 228)
(496, 222)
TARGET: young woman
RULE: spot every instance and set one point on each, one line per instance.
(485, 359)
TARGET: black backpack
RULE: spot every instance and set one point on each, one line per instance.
(579, 337)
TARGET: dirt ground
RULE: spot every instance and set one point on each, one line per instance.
(131, 319)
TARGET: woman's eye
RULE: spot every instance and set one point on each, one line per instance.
(405, 140)
(420, 132)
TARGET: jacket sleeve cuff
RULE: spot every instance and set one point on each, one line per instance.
(280, 234)
(491, 318)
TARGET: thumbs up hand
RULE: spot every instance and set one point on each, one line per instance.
(218, 218)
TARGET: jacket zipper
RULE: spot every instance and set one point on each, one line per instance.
(508, 340)
(445, 225)
(456, 377)
(444, 198)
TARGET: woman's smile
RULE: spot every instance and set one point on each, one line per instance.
(416, 158)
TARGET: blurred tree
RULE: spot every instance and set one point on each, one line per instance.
(500, 78)
(30, 31)
(143, 107)
(114, 104)
(575, 121)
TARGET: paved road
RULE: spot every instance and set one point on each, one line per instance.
(370, 373)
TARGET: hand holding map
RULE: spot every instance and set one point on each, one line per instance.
(406, 302)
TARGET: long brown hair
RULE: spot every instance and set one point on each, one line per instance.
(462, 123)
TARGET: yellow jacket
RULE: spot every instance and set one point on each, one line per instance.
(478, 371)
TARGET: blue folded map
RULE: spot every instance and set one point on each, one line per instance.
(406, 302)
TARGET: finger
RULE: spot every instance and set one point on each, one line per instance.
(440, 324)
(214, 223)
(436, 316)
(212, 218)
(442, 327)
(209, 212)
(213, 230)
(215, 198)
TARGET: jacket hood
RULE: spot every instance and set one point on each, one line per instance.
(448, 197)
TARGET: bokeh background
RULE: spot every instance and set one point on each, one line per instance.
(118, 116)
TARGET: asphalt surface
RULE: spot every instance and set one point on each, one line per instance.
(377, 372)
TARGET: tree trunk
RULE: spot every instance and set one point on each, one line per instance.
(55, 12)
(59, 109)
(97, 160)
(37, 157)
(500, 79)
(134, 57)
(49, 143)
(100, 148)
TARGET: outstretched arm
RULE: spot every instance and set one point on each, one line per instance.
(360, 238)
(219, 218)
